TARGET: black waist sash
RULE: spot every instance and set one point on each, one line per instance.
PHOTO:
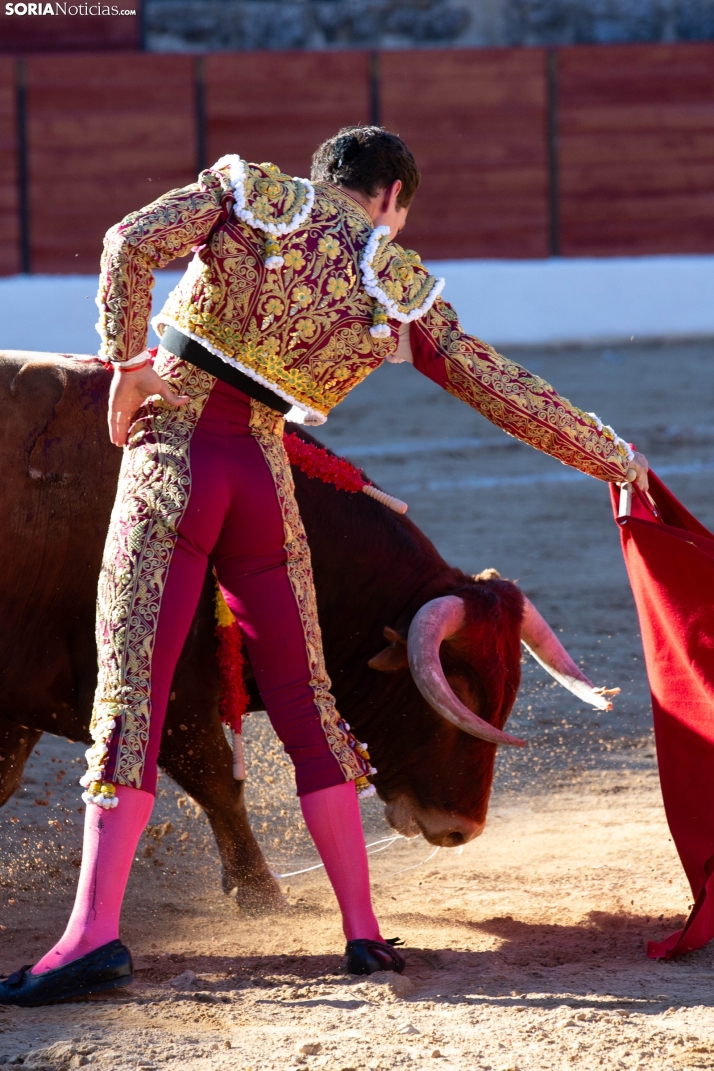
(187, 349)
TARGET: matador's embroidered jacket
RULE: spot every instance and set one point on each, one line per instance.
(291, 284)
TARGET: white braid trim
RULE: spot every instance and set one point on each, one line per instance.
(237, 178)
(616, 438)
(371, 283)
(311, 416)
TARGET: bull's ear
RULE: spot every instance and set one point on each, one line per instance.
(392, 657)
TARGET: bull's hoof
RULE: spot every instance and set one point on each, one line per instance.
(368, 957)
(260, 895)
(106, 968)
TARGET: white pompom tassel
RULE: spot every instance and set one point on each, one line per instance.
(380, 331)
(274, 262)
(107, 803)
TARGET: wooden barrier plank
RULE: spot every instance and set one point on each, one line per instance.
(279, 106)
(476, 123)
(9, 207)
(636, 139)
(106, 133)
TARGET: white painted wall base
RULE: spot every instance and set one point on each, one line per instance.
(536, 302)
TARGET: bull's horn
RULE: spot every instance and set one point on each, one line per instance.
(435, 622)
(538, 637)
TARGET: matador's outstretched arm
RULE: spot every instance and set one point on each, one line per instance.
(151, 238)
(522, 404)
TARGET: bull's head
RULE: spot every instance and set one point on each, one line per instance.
(463, 655)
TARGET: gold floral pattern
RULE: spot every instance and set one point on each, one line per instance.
(271, 197)
(151, 238)
(230, 302)
(305, 330)
(267, 428)
(154, 487)
(522, 404)
(397, 277)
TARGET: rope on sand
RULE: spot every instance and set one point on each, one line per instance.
(387, 841)
(437, 849)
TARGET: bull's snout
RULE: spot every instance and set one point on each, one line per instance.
(441, 828)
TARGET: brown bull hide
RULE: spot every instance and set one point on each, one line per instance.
(57, 479)
(58, 475)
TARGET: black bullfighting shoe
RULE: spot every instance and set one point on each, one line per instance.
(108, 967)
(365, 957)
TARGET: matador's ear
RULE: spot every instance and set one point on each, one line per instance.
(392, 657)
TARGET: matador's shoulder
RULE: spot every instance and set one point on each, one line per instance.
(397, 279)
(265, 198)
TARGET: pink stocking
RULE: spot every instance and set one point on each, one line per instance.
(333, 819)
(110, 840)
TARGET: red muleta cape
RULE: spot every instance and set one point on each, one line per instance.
(670, 562)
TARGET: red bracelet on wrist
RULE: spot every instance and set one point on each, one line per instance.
(134, 368)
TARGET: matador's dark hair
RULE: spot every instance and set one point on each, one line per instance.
(368, 159)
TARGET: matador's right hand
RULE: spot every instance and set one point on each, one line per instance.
(129, 391)
(637, 472)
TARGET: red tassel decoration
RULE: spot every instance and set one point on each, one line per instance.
(316, 462)
(234, 698)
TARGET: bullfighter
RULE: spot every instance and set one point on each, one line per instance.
(297, 290)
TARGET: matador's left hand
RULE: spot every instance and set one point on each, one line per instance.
(128, 392)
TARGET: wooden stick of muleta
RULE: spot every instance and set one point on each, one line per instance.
(238, 757)
(387, 500)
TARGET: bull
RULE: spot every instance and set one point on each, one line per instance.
(431, 701)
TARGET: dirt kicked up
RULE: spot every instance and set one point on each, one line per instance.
(526, 950)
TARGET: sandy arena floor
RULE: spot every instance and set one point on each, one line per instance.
(526, 949)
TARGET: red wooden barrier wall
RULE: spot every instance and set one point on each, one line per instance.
(476, 123)
(280, 106)
(9, 208)
(106, 134)
(636, 153)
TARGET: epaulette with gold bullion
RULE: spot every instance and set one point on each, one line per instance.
(397, 280)
(268, 201)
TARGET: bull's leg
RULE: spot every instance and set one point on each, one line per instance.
(205, 771)
(16, 744)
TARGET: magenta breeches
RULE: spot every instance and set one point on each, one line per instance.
(233, 520)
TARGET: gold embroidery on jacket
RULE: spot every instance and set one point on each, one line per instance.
(400, 274)
(522, 404)
(150, 238)
(154, 488)
(267, 428)
(271, 196)
(303, 328)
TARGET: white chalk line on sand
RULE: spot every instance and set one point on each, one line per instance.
(485, 483)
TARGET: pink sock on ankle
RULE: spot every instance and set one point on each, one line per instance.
(110, 840)
(334, 822)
